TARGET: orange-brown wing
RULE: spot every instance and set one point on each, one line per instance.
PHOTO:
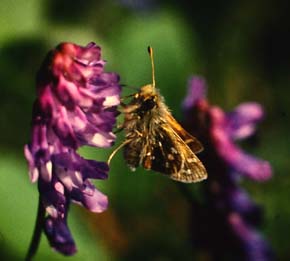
(167, 153)
(192, 169)
(191, 141)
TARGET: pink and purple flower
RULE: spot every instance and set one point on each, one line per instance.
(76, 105)
(225, 224)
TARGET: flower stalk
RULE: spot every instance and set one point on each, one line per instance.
(35, 240)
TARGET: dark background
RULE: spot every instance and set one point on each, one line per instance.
(241, 47)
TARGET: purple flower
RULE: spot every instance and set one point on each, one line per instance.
(225, 224)
(75, 106)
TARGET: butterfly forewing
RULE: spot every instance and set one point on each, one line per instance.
(173, 157)
(192, 142)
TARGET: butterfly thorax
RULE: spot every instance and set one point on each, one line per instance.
(144, 105)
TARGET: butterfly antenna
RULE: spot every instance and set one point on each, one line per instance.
(150, 51)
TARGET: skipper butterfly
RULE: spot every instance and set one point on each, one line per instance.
(155, 140)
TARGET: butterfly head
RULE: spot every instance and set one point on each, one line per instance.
(147, 98)
(147, 91)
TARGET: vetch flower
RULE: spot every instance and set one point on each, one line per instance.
(76, 105)
(225, 224)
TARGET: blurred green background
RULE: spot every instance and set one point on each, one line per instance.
(241, 47)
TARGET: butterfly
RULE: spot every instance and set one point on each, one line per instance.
(155, 140)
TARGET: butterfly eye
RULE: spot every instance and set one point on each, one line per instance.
(148, 104)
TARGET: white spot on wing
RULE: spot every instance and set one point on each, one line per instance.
(173, 150)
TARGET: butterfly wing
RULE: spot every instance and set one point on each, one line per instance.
(169, 154)
(192, 169)
(132, 151)
(191, 141)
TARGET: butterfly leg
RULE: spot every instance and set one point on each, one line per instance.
(138, 133)
(119, 128)
(116, 150)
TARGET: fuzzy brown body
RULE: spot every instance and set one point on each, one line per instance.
(156, 141)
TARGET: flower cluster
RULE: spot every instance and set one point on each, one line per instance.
(76, 105)
(225, 225)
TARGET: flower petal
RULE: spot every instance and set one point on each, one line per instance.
(59, 236)
(241, 122)
(240, 202)
(196, 91)
(33, 171)
(254, 245)
(238, 160)
(53, 197)
(243, 163)
(90, 198)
